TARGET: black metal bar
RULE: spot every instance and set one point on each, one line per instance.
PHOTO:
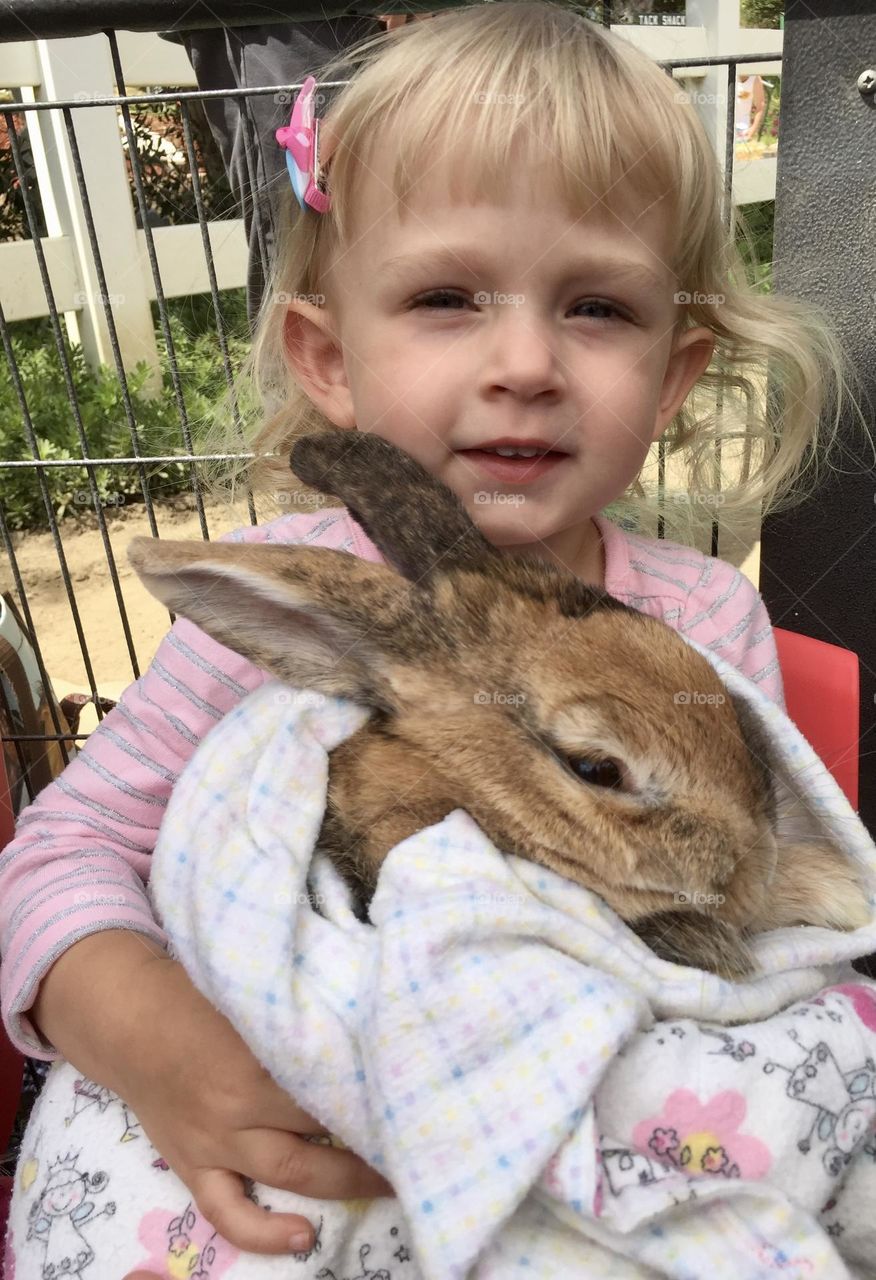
(156, 276)
(249, 151)
(43, 463)
(71, 390)
(214, 287)
(145, 99)
(108, 311)
(729, 165)
(44, 737)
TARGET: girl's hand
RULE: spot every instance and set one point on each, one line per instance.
(216, 1115)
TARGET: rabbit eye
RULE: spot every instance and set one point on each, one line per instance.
(601, 773)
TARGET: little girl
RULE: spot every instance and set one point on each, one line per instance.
(522, 279)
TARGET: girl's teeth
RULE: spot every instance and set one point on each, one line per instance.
(514, 453)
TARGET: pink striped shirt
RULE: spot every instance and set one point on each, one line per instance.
(80, 859)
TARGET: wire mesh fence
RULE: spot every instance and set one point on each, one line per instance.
(147, 120)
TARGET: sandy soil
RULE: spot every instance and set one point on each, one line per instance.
(95, 595)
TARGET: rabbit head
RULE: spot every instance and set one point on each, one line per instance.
(576, 731)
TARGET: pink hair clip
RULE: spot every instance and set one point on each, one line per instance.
(301, 141)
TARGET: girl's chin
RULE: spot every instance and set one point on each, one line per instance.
(512, 525)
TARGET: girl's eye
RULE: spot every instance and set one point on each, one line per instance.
(601, 306)
(434, 300)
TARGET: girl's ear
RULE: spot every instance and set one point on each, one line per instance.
(315, 357)
(690, 356)
(316, 618)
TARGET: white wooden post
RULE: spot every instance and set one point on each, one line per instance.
(720, 22)
(65, 66)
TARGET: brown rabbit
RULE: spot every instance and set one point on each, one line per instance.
(576, 731)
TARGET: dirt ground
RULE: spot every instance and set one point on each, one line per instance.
(95, 595)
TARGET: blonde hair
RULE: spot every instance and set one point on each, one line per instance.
(768, 407)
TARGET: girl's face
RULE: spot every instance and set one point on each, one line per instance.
(459, 328)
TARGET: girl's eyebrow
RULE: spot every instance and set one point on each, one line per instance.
(471, 262)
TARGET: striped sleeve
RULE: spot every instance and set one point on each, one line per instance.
(731, 618)
(80, 859)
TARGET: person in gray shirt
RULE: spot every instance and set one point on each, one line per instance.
(276, 54)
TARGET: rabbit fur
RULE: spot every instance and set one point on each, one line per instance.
(576, 731)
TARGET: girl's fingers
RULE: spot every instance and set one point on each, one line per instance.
(287, 1162)
(220, 1198)
(320, 1172)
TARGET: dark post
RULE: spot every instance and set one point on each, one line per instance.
(818, 565)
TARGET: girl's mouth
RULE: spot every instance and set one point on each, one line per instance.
(513, 470)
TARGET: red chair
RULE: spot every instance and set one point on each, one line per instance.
(822, 695)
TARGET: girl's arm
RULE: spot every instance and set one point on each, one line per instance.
(80, 859)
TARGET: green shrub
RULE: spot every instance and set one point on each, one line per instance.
(102, 409)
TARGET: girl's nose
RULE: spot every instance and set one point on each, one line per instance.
(524, 356)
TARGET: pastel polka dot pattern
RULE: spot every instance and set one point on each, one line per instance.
(471, 1048)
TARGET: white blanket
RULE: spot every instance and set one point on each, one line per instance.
(490, 1043)
(547, 1097)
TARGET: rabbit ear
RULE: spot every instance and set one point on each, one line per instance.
(316, 618)
(418, 523)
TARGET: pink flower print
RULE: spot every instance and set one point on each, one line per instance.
(863, 1000)
(705, 1136)
(663, 1142)
(185, 1247)
(744, 1049)
(715, 1160)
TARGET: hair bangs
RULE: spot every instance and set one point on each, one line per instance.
(473, 96)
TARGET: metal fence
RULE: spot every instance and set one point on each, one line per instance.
(68, 111)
